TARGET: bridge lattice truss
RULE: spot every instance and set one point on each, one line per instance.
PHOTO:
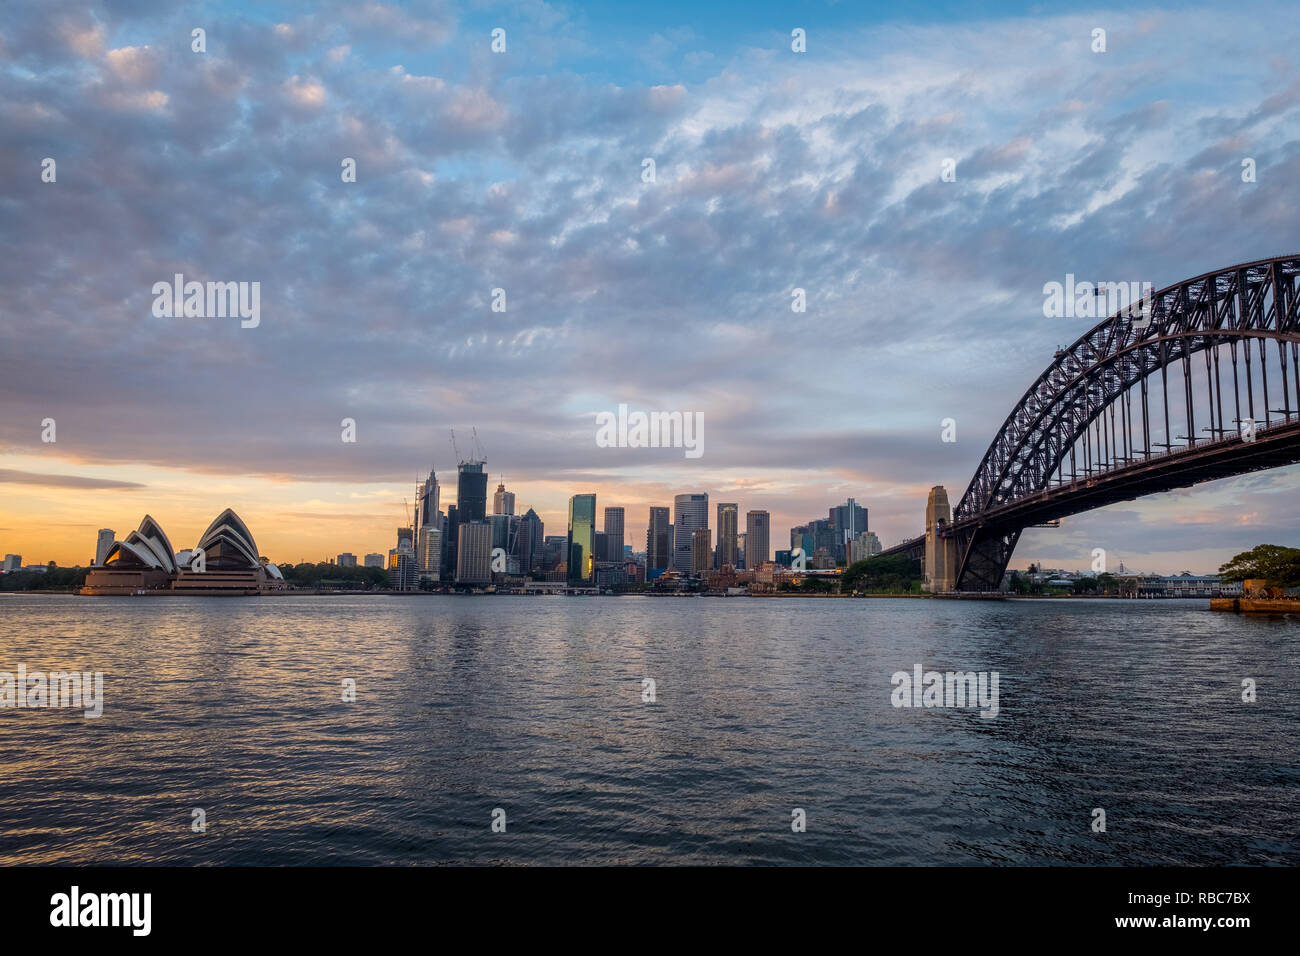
(1130, 396)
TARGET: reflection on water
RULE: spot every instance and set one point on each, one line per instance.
(534, 705)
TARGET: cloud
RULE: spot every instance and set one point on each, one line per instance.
(63, 481)
(524, 172)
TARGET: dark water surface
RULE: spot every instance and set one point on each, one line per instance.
(534, 705)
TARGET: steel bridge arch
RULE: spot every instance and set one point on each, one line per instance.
(1254, 302)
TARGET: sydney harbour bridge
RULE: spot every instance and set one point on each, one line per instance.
(1199, 381)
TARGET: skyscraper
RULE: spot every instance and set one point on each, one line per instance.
(503, 502)
(554, 550)
(450, 535)
(104, 544)
(849, 521)
(528, 541)
(689, 513)
(426, 503)
(470, 507)
(582, 539)
(658, 540)
(758, 528)
(403, 569)
(428, 552)
(500, 525)
(613, 535)
(864, 546)
(700, 551)
(428, 527)
(728, 528)
(471, 491)
(474, 554)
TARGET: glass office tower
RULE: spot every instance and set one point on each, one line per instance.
(582, 539)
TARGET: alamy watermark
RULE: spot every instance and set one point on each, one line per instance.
(651, 430)
(76, 689)
(1095, 300)
(946, 689)
(212, 300)
(75, 908)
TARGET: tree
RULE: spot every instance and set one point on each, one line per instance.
(1275, 564)
(892, 573)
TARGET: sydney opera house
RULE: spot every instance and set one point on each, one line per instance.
(224, 562)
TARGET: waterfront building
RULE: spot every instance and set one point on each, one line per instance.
(225, 561)
(529, 546)
(690, 512)
(554, 547)
(450, 535)
(864, 546)
(1185, 585)
(611, 576)
(13, 562)
(613, 535)
(848, 520)
(700, 552)
(428, 553)
(374, 560)
(347, 560)
(474, 553)
(403, 567)
(728, 534)
(659, 540)
(471, 506)
(403, 572)
(758, 528)
(581, 550)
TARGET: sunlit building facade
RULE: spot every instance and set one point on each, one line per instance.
(582, 539)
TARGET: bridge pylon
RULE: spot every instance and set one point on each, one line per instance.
(940, 552)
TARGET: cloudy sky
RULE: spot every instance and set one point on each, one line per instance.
(523, 171)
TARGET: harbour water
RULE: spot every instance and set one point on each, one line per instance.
(537, 706)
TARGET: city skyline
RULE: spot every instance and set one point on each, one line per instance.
(634, 531)
(478, 172)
